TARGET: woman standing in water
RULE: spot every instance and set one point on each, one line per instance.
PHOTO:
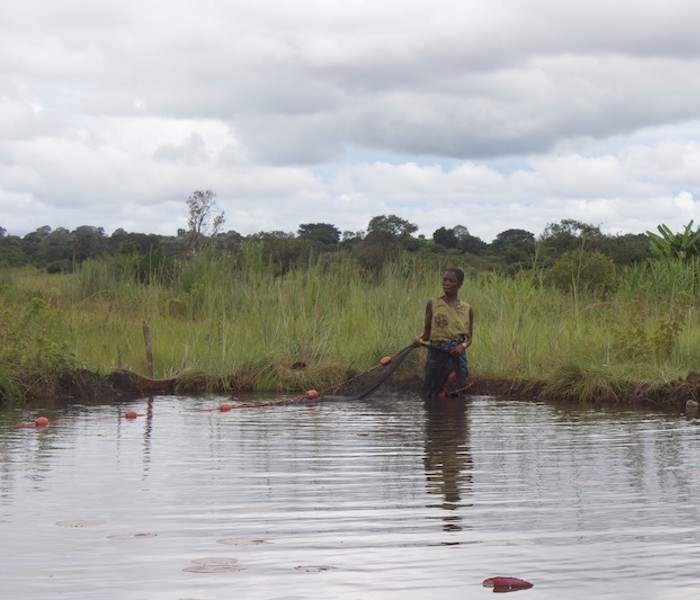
(447, 333)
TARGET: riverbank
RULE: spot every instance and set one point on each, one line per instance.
(84, 387)
(213, 328)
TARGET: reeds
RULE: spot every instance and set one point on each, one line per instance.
(236, 322)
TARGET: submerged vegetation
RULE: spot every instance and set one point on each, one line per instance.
(574, 314)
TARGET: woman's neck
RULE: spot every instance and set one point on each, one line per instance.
(451, 299)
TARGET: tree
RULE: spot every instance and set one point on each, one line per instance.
(229, 243)
(55, 251)
(568, 235)
(445, 237)
(572, 228)
(390, 227)
(31, 241)
(88, 242)
(578, 271)
(283, 251)
(626, 249)
(202, 222)
(11, 253)
(467, 242)
(386, 237)
(320, 232)
(515, 247)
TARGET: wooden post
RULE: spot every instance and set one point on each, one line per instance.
(149, 352)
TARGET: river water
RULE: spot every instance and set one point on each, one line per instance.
(373, 499)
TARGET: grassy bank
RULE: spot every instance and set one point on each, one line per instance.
(244, 328)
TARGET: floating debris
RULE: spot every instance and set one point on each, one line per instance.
(214, 564)
(131, 536)
(81, 523)
(313, 568)
(235, 541)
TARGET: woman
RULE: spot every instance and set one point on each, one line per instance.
(447, 333)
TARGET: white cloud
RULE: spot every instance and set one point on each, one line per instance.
(492, 115)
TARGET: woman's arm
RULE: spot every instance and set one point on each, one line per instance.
(428, 321)
(425, 336)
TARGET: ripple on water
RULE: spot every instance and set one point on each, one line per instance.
(375, 499)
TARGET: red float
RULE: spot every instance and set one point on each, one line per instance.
(130, 414)
(506, 584)
(41, 422)
(224, 407)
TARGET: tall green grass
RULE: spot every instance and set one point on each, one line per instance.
(235, 321)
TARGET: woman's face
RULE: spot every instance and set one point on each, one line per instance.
(450, 283)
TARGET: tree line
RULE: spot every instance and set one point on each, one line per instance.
(561, 246)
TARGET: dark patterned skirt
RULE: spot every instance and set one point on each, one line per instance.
(445, 375)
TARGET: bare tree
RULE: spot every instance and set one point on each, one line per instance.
(203, 223)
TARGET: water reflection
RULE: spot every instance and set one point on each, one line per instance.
(448, 460)
(147, 435)
(382, 498)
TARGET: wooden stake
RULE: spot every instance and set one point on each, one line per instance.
(149, 352)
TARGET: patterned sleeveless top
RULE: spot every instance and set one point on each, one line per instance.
(448, 322)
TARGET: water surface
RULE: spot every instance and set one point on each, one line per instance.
(373, 499)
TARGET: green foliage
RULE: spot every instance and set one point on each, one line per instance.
(33, 345)
(445, 237)
(323, 233)
(578, 272)
(271, 301)
(574, 383)
(100, 277)
(567, 236)
(12, 253)
(515, 248)
(253, 257)
(390, 227)
(61, 251)
(684, 245)
(626, 249)
(670, 278)
(649, 333)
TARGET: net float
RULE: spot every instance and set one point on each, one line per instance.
(41, 422)
(224, 407)
(130, 414)
(506, 584)
(312, 394)
(385, 361)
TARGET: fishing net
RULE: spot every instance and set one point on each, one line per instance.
(365, 384)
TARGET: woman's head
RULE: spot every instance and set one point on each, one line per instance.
(457, 273)
(452, 280)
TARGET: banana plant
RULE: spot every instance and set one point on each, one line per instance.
(684, 245)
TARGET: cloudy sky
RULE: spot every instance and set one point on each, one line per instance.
(492, 114)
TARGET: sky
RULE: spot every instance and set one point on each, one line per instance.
(489, 114)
